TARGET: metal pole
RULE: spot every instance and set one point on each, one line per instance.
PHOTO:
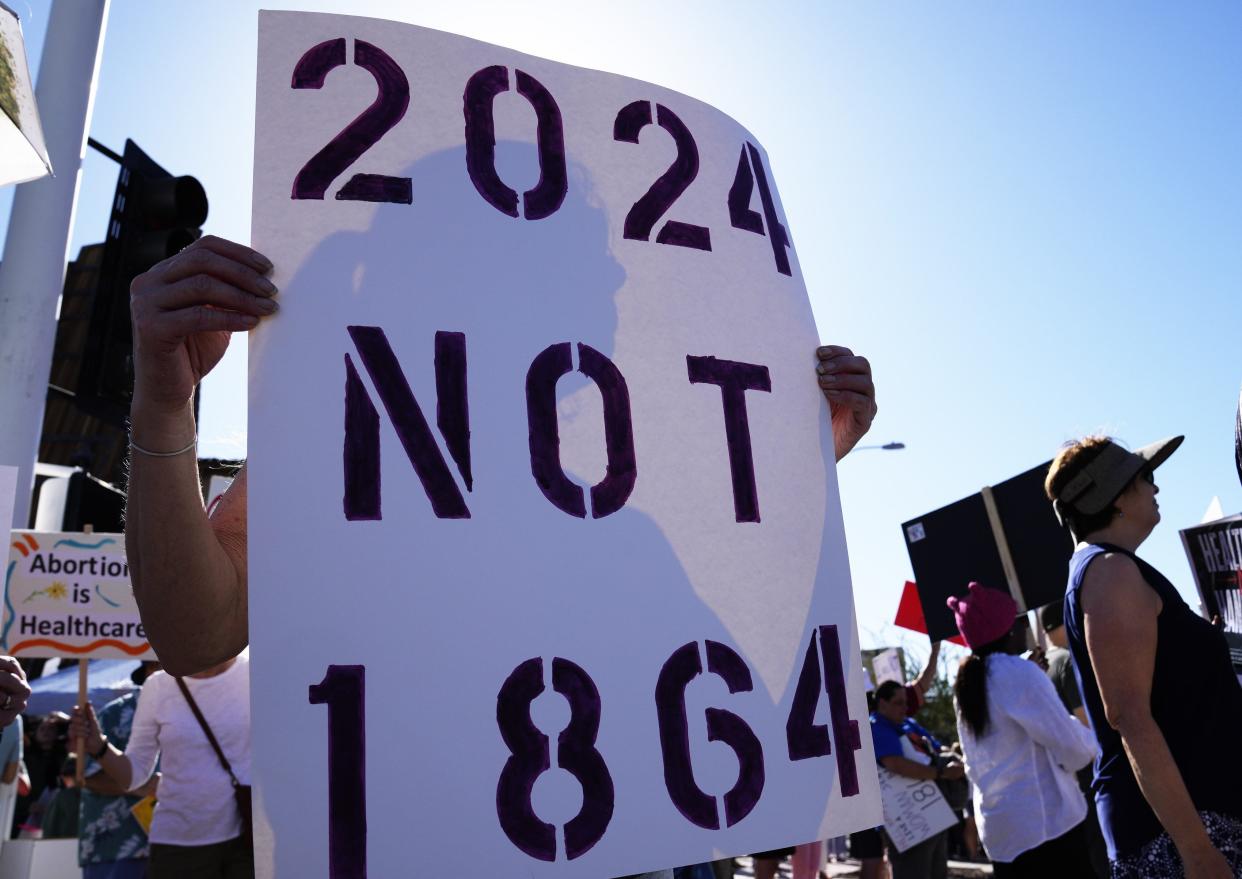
(32, 272)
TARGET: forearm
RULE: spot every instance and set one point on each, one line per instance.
(908, 768)
(1161, 782)
(928, 674)
(182, 574)
(117, 767)
(103, 784)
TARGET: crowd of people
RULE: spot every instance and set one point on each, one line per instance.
(1136, 686)
(1105, 756)
(146, 745)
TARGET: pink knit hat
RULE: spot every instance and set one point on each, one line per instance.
(984, 615)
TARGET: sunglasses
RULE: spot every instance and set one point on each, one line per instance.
(1148, 476)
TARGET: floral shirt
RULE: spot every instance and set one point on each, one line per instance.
(107, 830)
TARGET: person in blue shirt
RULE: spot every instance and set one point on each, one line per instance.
(905, 748)
(111, 842)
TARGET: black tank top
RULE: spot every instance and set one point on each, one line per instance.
(1195, 700)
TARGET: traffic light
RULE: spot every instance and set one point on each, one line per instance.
(154, 215)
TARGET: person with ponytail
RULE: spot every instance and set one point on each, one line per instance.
(1155, 677)
(1021, 746)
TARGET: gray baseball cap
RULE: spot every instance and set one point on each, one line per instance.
(1103, 480)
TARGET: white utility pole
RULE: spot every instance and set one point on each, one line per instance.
(32, 272)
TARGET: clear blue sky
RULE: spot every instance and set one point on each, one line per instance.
(1029, 216)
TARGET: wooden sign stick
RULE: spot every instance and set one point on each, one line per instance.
(1011, 570)
(83, 694)
(80, 745)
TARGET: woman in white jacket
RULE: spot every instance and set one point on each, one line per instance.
(1021, 747)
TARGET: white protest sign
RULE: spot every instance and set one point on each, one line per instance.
(69, 594)
(542, 495)
(914, 809)
(887, 665)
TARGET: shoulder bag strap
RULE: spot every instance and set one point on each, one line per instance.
(202, 721)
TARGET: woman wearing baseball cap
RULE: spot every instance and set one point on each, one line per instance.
(1156, 678)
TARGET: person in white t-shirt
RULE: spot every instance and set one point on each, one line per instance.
(197, 829)
(1021, 746)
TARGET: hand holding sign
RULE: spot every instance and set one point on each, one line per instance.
(847, 384)
(84, 727)
(183, 311)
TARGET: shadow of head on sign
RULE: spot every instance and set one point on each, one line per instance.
(447, 587)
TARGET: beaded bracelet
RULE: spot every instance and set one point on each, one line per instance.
(137, 448)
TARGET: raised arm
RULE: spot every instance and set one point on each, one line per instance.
(189, 572)
(928, 674)
(1121, 611)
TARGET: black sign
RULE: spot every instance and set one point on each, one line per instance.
(1237, 439)
(954, 545)
(1215, 553)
